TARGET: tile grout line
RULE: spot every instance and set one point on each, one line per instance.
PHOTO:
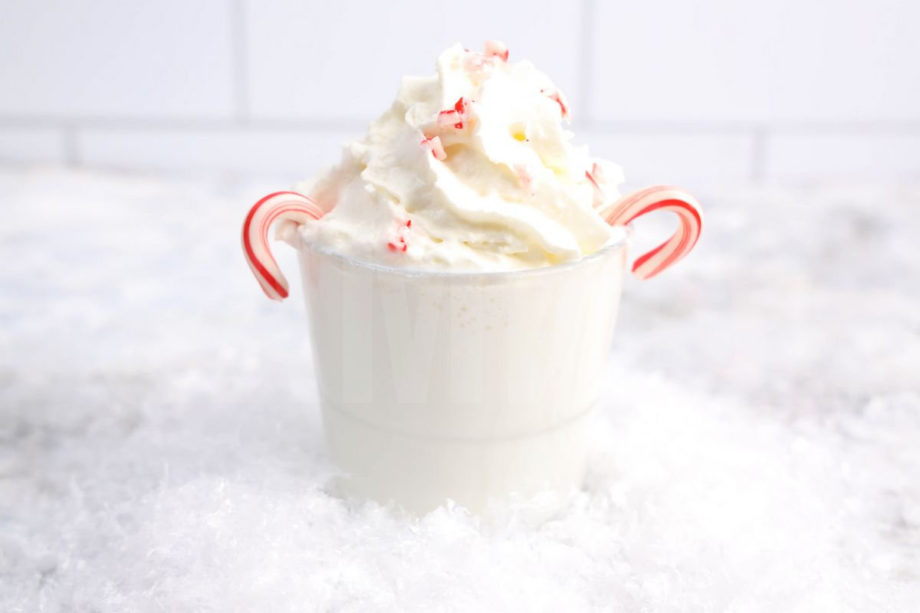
(798, 128)
(327, 124)
(70, 143)
(759, 136)
(240, 67)
(180, 123)
(586, 60)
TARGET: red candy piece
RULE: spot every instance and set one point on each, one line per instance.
(591, 178)
(400, 244)
(595, 176)
(497, 49)
(433, 144)
(523, 176)
(494, 50)
(553, 94)
(455, 117)
(450, 119)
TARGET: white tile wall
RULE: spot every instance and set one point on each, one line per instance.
(60, 58)
(346, 58)
(699, 162)
(701, 93)
(859, 156)
(18, 145)
(289, 154)
(780, 60)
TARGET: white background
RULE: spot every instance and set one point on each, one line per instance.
(705, 94)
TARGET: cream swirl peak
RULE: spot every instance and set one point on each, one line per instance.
(469, 169)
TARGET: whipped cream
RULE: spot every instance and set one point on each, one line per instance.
(469, 169)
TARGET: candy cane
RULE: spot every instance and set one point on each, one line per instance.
(280, 205)
(653, 199)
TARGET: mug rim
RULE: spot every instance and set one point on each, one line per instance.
(616, 243)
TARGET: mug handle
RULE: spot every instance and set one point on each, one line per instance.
(657, 198)
(289, 206)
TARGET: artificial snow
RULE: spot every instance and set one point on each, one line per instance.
(161, 449)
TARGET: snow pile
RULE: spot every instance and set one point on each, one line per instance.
(160, 444)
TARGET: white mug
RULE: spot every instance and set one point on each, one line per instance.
(476, 387)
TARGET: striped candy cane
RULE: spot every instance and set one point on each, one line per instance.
(660, 197)
(280, 205)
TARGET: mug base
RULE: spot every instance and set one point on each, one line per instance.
(420, 473)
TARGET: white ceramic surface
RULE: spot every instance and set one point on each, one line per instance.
(473, 387)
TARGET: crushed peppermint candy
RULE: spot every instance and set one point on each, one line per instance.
(525, 179)
(400, 244)
(455, 117)
(557, 96)
(596, 177)
(433, 144)
(494, 48)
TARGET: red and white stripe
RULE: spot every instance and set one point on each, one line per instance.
(289, 206)
(556, 96)
(648, 200)
(496, 48)
(596, 177)
(456, 117)
(435, 147)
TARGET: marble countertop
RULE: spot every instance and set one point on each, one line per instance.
(160, 444)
